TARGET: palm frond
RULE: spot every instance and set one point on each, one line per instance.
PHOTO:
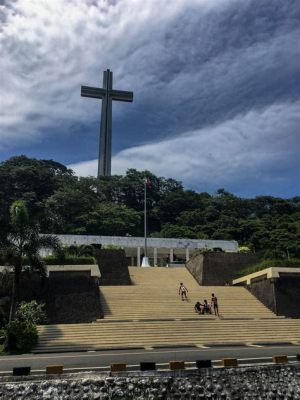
(49, 241)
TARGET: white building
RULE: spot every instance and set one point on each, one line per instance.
(156, 247)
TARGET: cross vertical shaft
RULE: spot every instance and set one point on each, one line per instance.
(107, 94)
(104, 159)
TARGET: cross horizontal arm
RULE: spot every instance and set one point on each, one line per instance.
(121, 95)
(97, 93)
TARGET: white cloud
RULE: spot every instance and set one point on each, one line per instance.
(247, 148)
(215, 82)
(49, 48)
(184, 56)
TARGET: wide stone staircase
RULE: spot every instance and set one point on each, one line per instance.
(150, 313)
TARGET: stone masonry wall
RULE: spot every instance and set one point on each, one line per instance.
(287, 290)
(257, 382)
(113, 267)
(281, 295)
(72, 297)
(264, 290)
(217, 268)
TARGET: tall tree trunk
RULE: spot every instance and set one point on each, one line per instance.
(15, 291)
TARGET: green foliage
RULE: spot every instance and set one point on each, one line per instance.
(244, 249)
(111, 219)
(69, 260)
(19, 217)
(23, 242)
(200, 251)
(31, 313)
(20, 336)
(79, 250)
(111, 247)
(64, 203)
(280, 263)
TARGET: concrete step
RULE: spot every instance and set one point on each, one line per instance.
(150, 313)
(107, 335)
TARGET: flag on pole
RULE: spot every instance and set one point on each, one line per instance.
(147, 183)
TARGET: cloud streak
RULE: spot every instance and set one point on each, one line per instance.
(225, 155)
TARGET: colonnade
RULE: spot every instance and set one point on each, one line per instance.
(154, 253)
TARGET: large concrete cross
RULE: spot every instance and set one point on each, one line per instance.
(107, 94)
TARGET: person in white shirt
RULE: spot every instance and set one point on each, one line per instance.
(183, 291)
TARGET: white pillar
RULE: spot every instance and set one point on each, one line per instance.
(155, 256)
(138, 257)
(171, 255)
(187, 254)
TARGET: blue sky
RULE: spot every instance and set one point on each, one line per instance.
(216, 88)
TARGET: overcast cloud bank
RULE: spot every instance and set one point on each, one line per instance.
(216, 87)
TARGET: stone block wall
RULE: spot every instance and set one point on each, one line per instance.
(113, 267)
(281, 295)
(287, 290)
(215, 269)
(264, 290)
(32, 286)
(72, 297)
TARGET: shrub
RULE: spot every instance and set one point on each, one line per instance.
(96, 246)
(244, 249)
(83, 250)
(201, 251)
(31, 313)
(111, 247)
(69, 260)
(20, 336)
(272, 254)
(292, 263)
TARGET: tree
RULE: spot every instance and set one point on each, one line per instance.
(30, 180)
(23, 240)
(110, 219)
(64, 203)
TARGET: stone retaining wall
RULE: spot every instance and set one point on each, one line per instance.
(215, 269)
(72, 297)
(113, 267)
(235, 384)
(281, 295)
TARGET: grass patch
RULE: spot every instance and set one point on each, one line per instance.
(69, 260)
(292, 263)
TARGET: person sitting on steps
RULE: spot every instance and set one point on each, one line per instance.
(183, 291)
(206, 308)
(197, 307)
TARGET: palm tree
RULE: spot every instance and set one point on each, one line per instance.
(23, 243)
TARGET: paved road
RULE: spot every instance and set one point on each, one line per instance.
(103, 359)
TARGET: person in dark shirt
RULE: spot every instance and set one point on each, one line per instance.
(197, 307)
(214, 304)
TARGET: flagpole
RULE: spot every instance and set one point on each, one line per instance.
(145, 216)
(145, 261)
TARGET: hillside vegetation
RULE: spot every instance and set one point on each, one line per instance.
(64, 203)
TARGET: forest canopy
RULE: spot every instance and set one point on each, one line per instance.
(64, 203)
